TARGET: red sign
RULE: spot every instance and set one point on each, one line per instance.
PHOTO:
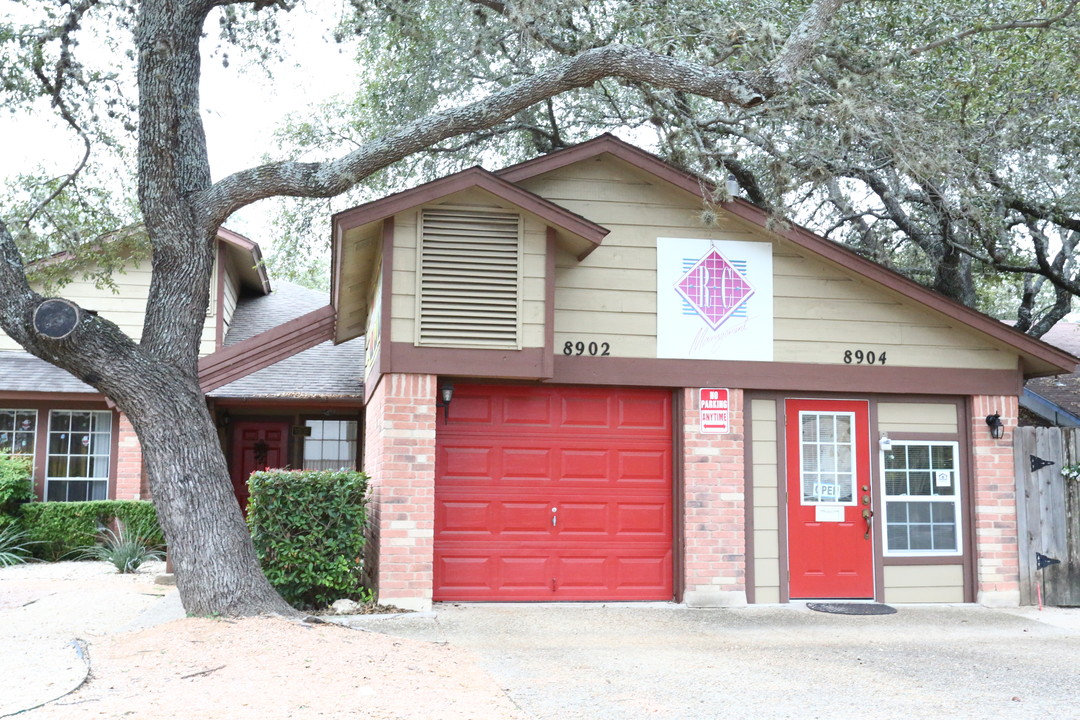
(714, 410)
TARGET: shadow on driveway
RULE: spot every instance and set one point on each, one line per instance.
(666, 661)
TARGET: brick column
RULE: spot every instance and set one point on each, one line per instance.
(399, 458)
(714, 503)
(994, 487)
(129, 465)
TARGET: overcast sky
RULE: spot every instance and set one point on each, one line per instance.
(241, 107)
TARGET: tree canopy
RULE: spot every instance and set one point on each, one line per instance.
(939, 138)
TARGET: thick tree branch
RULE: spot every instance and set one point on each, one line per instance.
(326, 179)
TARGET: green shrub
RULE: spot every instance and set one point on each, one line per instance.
(16, 485)
(308, 528)
(124, 549)
(62, 529)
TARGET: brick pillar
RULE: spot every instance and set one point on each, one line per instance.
(714, 502)
(129, 466)
(994, 486)
(399, 458)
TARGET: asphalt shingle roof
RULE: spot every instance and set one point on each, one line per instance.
(23, 372)
(1063, 390)
(324, 371)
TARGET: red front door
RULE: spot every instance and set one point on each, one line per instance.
(830, 546)
(257, 445)
(554, 493)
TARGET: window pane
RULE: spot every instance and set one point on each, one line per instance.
(918, 512)
(80, 447)
(920, 537)
(895, 483)
(898, 539)
(944, 537)
(809, 428)
(942, 456)
(919, 483)
(80, 422)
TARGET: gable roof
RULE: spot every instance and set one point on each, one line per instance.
(278, 347)
(1059, 394)
(1042, 358)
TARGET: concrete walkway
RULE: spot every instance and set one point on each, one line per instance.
(665, 661)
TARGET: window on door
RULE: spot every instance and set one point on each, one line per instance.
(922, 498)
(827, 449)
(331, 445)
(80, 442)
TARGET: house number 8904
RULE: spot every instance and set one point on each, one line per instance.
(858, 357)
(583, 348)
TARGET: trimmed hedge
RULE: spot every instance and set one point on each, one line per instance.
(15, 484)
(60, 529)
(309, 533)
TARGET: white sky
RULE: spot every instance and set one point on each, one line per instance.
(241, 107)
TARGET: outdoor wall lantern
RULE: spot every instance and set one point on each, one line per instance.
(446, 394)
(997, 428)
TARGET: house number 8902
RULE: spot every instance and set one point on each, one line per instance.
(582, 348)
(858, 357)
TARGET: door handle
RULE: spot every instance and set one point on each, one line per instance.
(554, 517)
(867, 513)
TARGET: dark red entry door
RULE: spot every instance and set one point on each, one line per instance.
(257, 445)
(830, 543)
(554, 493)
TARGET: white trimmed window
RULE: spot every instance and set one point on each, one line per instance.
(922, 498)
(80, 443)
(18, 430)
(331, 445)
(469, 279)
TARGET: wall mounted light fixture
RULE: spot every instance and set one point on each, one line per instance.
(446, 394)
(997, 428)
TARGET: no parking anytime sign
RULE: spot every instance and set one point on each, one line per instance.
(714, 410)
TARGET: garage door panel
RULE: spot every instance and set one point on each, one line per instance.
(602, 458)
(643, 414)
(462, 462)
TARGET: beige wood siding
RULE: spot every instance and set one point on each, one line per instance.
(766, 502)
(126, 308)
(404, 305)
(821, 310)
(918, 418)
(924, 583)
(232, 292)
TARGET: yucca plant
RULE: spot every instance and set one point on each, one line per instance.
(14, 545)
(126, 552)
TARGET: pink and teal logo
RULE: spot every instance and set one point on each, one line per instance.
(714, 288)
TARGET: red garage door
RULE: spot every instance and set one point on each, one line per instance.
(554, 493)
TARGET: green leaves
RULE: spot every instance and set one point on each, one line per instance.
(309, 530)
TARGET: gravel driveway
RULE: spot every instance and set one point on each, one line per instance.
(662, 661)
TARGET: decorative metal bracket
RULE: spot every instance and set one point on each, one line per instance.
(1042, 561)
(1037, 463)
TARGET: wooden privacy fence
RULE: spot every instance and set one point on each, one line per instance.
(1048, 510)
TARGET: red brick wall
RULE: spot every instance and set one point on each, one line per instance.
(994, 488)
(399, 457)
(714, 507)
(130, 482)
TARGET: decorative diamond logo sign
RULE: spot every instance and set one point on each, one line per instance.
(714, 288)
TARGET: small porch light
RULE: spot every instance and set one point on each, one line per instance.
(446, 394)
(997, 428)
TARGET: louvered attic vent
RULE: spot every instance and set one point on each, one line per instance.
(469, 278)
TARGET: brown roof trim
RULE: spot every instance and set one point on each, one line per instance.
(249, 246)
(797, 234)
(266, 348)
(608, 143)
(473, 177)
